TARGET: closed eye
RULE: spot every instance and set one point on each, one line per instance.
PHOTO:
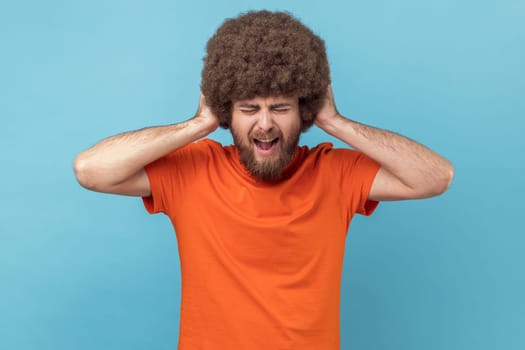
(248, 110)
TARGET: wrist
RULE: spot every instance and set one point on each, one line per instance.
(201, 127)
(331, 125)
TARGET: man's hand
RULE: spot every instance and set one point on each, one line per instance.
(408, 169)
(205, 115)
(116, 164)
(328, 111)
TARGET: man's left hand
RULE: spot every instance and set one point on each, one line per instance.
(328, 112)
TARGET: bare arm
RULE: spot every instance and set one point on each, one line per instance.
(408, 170)
(116, 164)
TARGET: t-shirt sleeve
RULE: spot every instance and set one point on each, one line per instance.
(159, 178)
(171, 175)
(358, 174)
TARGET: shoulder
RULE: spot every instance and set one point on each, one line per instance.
(201, 148)
(187, 158)
(326, 152)
(339, 161)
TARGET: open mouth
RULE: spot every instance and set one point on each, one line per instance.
(265, 145)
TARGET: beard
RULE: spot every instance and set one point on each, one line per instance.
(269, 168)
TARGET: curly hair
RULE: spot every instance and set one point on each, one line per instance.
(262, 54)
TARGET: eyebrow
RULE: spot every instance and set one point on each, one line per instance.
(248, 105)
(279, 105)
(274, 105)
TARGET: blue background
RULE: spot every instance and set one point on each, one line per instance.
(82, 270)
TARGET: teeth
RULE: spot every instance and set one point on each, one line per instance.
(270, 140)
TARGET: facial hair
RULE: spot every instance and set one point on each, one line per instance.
(269, 168)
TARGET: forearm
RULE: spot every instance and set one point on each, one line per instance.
(422, 171)
(115, 159)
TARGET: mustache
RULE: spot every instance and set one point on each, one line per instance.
(260, 135)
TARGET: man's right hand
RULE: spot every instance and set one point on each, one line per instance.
(205, 115)
(116, 164)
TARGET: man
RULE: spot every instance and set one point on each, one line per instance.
(261, 225)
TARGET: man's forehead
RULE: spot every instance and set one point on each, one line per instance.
(267, 101)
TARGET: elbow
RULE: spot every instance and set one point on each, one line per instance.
(82, 170)
(444, 180)
(93, 174)
(438, 182)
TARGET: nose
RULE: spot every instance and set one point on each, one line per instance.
(265, 121)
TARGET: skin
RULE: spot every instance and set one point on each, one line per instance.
(272, 121)
(408, 170)
(116, 164)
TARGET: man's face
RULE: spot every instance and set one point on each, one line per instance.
(266, 131)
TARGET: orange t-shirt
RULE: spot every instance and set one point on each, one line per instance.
(261, 262)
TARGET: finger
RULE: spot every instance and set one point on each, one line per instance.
(329, 92)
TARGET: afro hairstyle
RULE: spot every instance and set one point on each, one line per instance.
(264, 54)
